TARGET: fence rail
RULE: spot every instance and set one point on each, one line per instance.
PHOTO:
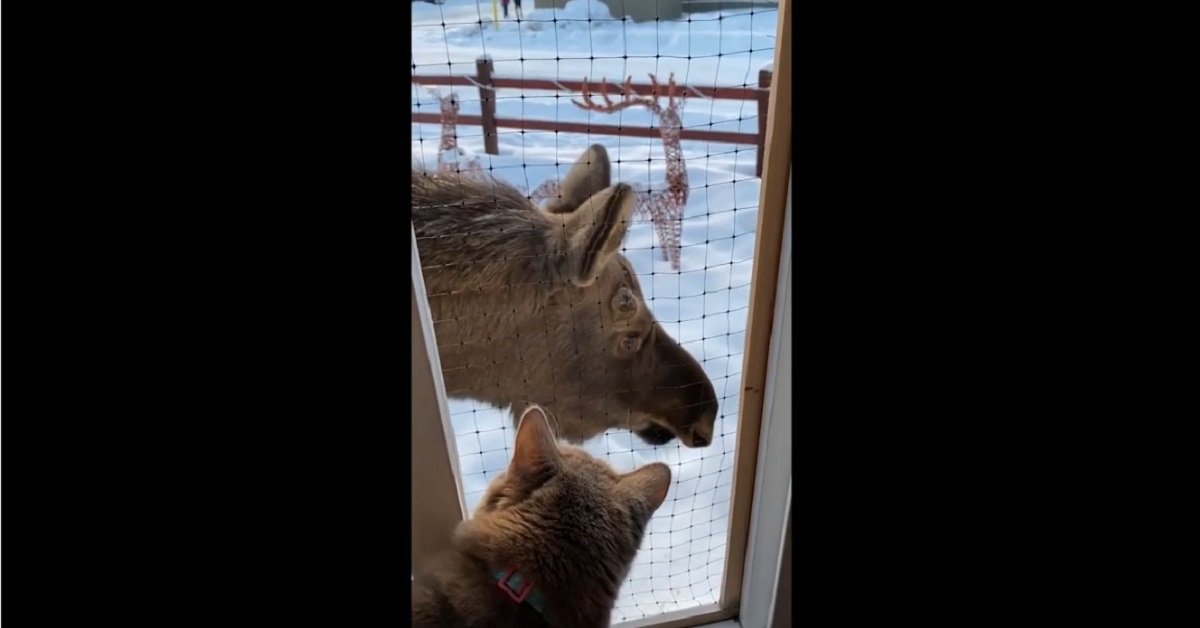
(488, 84)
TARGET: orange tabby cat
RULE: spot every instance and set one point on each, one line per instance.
(549, 545)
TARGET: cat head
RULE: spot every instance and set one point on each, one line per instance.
(565, 519)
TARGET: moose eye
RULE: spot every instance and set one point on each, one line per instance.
(624, 302)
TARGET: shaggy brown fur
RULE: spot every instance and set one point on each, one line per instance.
(538, 307)
(564, 520)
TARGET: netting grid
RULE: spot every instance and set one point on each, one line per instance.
(692, 242)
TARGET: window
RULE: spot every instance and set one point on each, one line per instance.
(712, 551)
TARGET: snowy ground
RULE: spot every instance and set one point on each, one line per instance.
(703, 305)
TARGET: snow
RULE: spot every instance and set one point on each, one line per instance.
(703, 306)
(582, 10)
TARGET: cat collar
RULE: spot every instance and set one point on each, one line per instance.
(519, 589)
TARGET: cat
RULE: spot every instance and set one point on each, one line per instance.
(550, 543)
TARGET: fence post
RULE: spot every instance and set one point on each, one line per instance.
(487, 105)
(764, 98)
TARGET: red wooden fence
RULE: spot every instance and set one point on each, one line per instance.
(488, 85)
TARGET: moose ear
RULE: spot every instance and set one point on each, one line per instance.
(591, 173)
(536, 451)
(649, 484)
(594, 232)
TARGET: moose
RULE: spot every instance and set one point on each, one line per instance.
(537, 306)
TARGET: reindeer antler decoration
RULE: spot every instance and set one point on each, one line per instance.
(629, 97)
(664, 208)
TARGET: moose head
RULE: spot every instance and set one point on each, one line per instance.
(538, 306)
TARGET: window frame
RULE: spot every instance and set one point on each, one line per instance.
(438, 485)
(760, 499)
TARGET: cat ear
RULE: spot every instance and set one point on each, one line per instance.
(536, 450)
(594, 232)
(649, 483)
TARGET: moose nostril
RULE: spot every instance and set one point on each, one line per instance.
(699, 441)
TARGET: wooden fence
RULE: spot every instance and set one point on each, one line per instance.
(488, 84)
